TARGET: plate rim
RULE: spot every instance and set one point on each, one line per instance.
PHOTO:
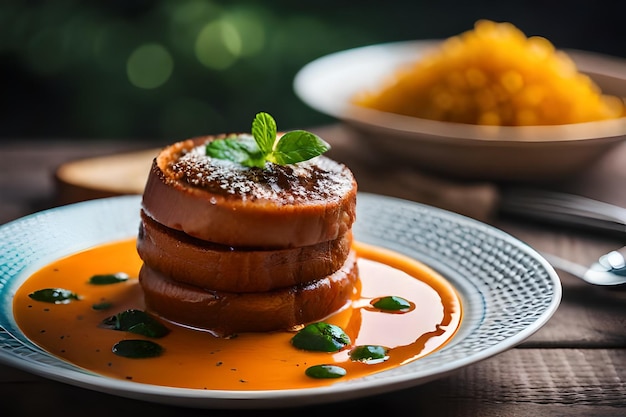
(262, 398)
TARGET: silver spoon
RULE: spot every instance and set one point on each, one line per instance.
(608, 270)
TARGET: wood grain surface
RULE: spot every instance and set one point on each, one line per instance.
(574, 366)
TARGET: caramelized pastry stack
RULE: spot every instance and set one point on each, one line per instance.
(232, 249)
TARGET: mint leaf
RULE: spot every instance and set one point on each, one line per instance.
(325, 371)
(106, 279)
(369, 354)
(291, 148)
(54, 295)
(135, 321)
(240, 149)
(322, 337)
(264, 132)
(392, 303)
(297, 146)
(137, 349)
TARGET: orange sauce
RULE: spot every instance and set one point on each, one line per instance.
(250, 361)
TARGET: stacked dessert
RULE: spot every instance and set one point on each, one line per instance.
(233, 248)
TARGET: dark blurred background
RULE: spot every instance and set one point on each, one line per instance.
(173, 69)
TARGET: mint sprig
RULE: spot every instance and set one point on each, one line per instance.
(264, 145)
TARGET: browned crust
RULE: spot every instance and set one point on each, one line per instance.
(224, 268)
(227, 313)
(228, 220)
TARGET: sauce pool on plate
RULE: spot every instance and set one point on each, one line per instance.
(427, 316)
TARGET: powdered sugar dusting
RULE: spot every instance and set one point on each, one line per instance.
(315, 180)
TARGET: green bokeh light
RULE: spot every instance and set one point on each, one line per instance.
(182, 68)
(185, 20)
(252, 31)
(218, 45)
(149, 66)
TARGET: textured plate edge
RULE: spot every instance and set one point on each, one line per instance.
(293, 398)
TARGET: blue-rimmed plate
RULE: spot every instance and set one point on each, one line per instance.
(507, 290)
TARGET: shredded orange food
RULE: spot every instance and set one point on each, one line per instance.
(495, 75)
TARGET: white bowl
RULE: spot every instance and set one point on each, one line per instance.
(506, 153)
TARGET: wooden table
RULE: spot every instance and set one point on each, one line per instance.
(574, 366)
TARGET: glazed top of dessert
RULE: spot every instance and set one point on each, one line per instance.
(307, 182)
(226, 203)
(265, 190)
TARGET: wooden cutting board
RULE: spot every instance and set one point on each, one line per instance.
(104, 176)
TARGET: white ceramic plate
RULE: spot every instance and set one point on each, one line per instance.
(455, 149)
(507, 290)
